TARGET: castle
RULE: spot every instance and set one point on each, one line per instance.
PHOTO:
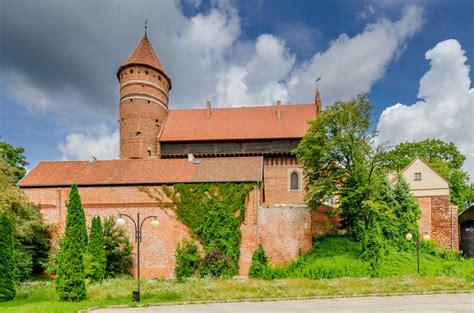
(159, 147)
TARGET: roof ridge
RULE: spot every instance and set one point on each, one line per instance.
(245, 107)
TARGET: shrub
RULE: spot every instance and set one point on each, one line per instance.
(216, 264)
(118, 249)
(70, 282)
(95, 259)
(7, 260)
(187, 259)
(259, 264)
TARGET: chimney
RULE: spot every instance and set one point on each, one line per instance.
(208, 113)
(278, 109)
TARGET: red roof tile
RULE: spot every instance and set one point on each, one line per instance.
(133, 172)
(238, 123)
(144, 55)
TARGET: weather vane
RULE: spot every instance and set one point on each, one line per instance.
(146, 22)
(317, 82)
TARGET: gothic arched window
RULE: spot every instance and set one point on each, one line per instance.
(294, 181)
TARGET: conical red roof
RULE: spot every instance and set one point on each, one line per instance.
(144, 55)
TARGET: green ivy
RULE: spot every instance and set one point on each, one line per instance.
(213, 212)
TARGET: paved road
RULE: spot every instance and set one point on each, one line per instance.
(418, 304)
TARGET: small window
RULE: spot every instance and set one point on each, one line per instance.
(131, 71)
(294, 181)
(146, 72)
(159, 77)
(149, 152)
(139, 133)
(417, 176)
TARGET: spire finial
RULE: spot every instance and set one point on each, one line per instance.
(317, 98)
(146, 22)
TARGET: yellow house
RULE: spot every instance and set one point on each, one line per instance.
(439, 218)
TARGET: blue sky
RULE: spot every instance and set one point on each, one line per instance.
(59, 94)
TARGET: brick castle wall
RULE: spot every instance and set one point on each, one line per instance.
(440, 220)
(276, 173)
(284, 231)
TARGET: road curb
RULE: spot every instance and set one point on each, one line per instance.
(388, 294)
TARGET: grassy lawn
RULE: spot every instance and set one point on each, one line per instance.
(40, 296)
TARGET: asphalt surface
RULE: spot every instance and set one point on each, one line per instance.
(413, 303)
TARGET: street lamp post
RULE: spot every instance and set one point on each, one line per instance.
(138, 239)
(426, 236)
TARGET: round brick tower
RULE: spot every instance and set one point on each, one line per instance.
(144, 88)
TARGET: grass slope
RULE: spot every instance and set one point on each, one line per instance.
(40, 296)
(338, 256)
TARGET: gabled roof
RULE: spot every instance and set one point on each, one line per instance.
(238, 123)
(144, 55)
(139, 172)
(427, 165)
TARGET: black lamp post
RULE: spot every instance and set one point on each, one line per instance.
(409, 236)
(138, 239)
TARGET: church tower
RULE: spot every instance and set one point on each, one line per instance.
(144, 89)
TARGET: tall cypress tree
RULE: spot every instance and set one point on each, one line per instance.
(70, 282)
(7, 261)
(407, 213)
(96, 260)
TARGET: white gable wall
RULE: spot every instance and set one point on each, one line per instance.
(431, 184)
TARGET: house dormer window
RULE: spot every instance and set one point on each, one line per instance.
(294, 181)
(417, 176)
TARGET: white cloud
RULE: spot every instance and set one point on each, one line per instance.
(24, 92)
(205, 56)
(261, 80)
(352, 65)
(446, 108)
(101, 144)
(367, 12)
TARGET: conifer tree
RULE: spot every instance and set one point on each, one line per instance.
(95, 259)
(259, 263)
(388, 219)
(7, 262)
(70, 282)
(408, 211)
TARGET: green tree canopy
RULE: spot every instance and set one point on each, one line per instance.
(70, 281)
(14, 159)
(339, 160)
(443, 157)
(7, 260)
(30, 234)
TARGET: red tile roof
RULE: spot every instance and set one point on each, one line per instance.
(135, 172)
(238, 123)
(144, 55)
